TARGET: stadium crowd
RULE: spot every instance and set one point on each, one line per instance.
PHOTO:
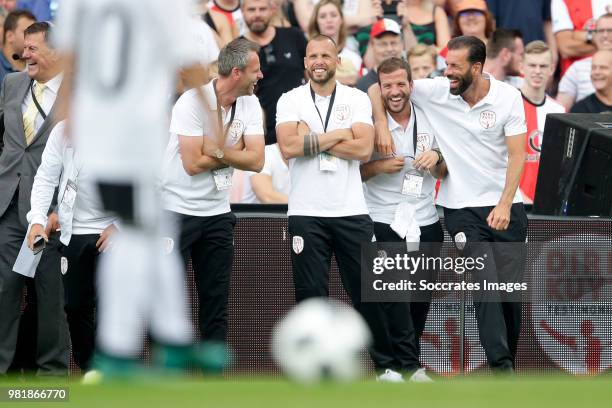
(282, 69)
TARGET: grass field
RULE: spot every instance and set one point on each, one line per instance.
(520, 392)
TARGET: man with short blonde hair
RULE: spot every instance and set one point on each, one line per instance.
(537, 66)
(423, 60)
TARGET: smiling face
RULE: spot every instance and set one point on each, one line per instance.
(329, 20)
(603, 34)
(247, 78)
(41, 61)
(601, 71)
(395, 89)
(321, 60)
(459, 70)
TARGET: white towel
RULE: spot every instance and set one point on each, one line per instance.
(405, 225)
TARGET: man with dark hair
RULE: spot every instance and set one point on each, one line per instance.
(27, 114)
(12, 41)
(281, 56)
(505, 51)
(206, 144)
(386, 181)
(480, 124)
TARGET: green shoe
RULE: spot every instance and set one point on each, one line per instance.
(210, 357)
(109, 368)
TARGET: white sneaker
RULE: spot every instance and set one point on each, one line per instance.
(420, 376)
(390, 376)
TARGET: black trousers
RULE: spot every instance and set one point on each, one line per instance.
(52, 332)
(405, 321)
(314, 240)
(81, 295)
(498, 314)
(209, 241)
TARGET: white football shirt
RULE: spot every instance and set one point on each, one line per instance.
(127, 56)
(319, 193)
(472, 139)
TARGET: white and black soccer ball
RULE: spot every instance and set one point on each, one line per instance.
(321, 339)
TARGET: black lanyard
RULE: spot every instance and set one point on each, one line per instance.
(219, 116)
(414, 131)
(40, 109)
(329, 108)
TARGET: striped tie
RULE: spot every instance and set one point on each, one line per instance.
(29, 117)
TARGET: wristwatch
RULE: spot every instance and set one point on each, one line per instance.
(219, 154)
(589, 37)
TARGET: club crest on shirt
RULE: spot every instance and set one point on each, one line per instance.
(342, 112)
(460, 240)
(487, 119)
(298, 244)
(236, 130)
(63, 265)
(535, 146)
(423, 142)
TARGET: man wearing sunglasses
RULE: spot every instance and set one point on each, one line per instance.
(576, 84)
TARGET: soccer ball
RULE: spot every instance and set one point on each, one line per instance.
(321, 339)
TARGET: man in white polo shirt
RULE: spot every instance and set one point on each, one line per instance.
(204, 148)
(325, 130)
(389, 198)
(480, 124)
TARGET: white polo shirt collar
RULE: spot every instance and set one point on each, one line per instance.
(489, 98)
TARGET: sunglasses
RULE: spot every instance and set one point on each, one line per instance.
(470, 13)
(269, 54)
(603, 31)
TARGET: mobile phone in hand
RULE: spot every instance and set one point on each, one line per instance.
(39, 245)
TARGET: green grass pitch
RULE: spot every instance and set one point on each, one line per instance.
(471, 392)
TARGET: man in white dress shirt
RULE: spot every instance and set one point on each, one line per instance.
(85, 233)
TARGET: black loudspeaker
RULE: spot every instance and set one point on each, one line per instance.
(575, 174)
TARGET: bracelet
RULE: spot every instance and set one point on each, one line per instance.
(311, 144)
(440, 157)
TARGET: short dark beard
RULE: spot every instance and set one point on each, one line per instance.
(406, 103)
(330, 77)
(258, 31)
(464, 83)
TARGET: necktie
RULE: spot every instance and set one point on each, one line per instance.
(29, 117)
